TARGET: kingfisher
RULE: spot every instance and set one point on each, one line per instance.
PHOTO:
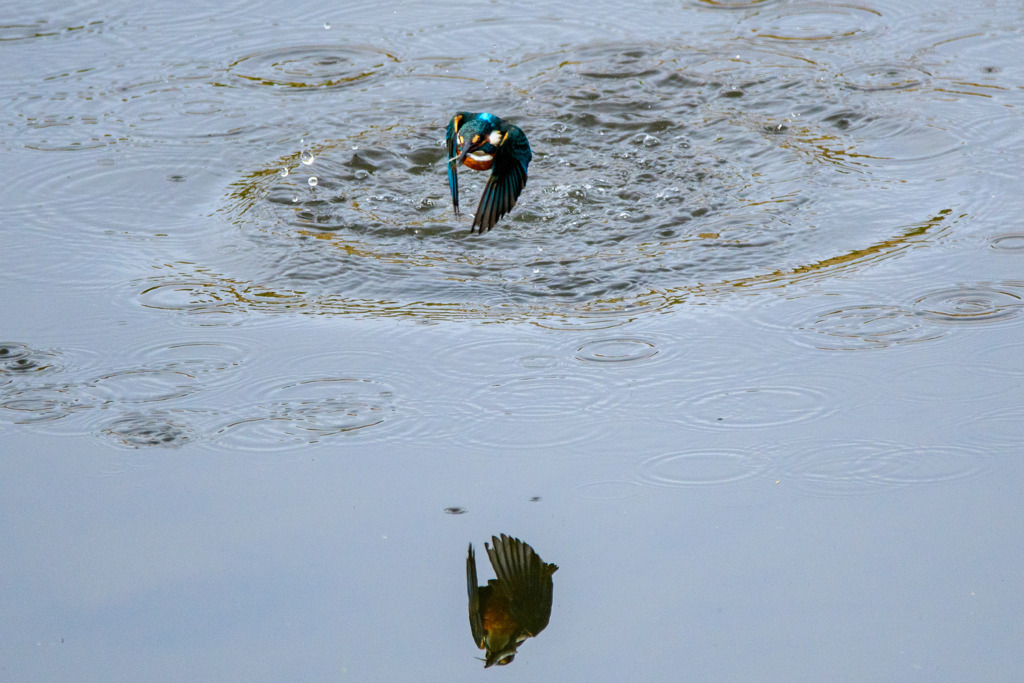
(482, 141)
(513, 607)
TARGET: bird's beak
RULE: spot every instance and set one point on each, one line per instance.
(469, 149)
(501, 657)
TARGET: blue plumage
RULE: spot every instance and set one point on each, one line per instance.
(482, 141)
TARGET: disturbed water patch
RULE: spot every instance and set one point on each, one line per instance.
(41, 404)
(85, 393)
(21, 359)
(310, 67)
(660, 177)
(878, 77)
(147, 431)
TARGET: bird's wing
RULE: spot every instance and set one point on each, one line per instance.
(507, 179)
(476, 622)
(453, 175)
(526, 579)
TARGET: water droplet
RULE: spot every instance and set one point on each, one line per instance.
(306, 157)
(284, 172)
(295, 200)
(646, 140)
(312, 181)
(327, 25)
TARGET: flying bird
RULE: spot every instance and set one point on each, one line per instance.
(482, 141)
(513, 607)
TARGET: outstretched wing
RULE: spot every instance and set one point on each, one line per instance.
(526, 579)
(476, 622)
(507, 180)
(453, 174)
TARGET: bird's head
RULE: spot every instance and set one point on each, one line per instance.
(501, 648)
(476, 142)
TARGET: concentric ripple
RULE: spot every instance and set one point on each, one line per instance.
(859, 467)
(310, 67)
(42, 404)
(878, 77)
(867, 326)
(543, 396)
(756, 406)
(1011, 243)
(41, 386)
(702, 468)
(21, 359)
(616, 350)
(142, 386)
(196, 358)
(968, 304)
(294, 412)
(824, 22)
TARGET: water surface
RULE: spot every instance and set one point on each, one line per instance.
(744, 361)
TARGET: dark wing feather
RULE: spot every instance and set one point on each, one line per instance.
(453, 175)
(476, 622)
(526, 579)
(507, 180)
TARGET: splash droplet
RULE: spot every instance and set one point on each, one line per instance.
(306, 157)
(312, 181)
(327, 25)
(284, 172)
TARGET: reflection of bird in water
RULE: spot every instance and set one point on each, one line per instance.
(482, 142)
(513, 607)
